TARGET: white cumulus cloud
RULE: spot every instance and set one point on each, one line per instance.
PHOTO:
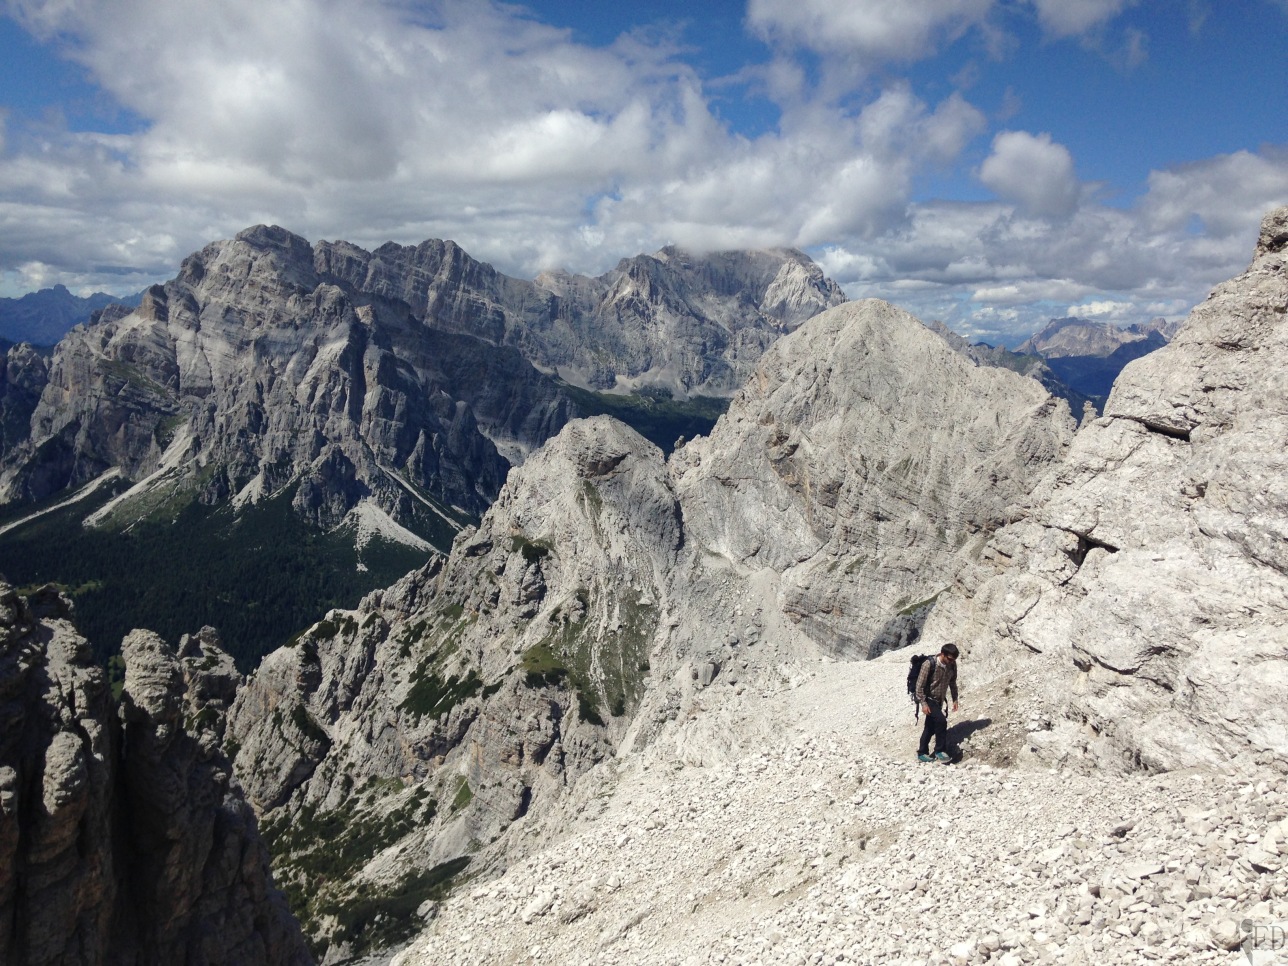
(1067, 18)
(1032, 170)
(874, 29)
(388, 120)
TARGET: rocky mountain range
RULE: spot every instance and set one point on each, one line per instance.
(1087, 356)
(42, 318)
(382, 394)
(598, 602)
(1061, 338)
(832, 513)
(629, 712)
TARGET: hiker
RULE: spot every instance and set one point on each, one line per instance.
(938, 677)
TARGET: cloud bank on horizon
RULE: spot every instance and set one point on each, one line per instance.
(990, 163)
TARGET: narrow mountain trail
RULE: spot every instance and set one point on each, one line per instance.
(824, 841)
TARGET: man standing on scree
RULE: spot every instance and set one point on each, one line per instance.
(937, 678)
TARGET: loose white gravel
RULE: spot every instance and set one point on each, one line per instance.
(823, 841)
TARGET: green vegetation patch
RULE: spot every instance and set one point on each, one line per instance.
(543, 666)
(128, 373)
(464, 795)
(316, 854)
(326, 630)
(613, 678)
(386, 918)
(532, 550)
(258, 576)
(307, 725)
(913, 608)
(626, 665)
(434, 691)
(431, 696)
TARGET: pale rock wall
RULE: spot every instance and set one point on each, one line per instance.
(863, 461)
(428, 682)
(1152, 559)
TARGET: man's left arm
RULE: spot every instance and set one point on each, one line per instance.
(952, 684)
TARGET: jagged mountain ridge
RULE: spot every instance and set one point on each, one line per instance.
(43, 318)
(1087, 356)
(382, 395)
(396, 307)
(1033, 366)
(1164, 517)
(688, 324)
(599, 603)
(1074, 336)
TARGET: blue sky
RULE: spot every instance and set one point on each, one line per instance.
(990, 163)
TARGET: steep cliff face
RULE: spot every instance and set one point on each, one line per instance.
(402, 378)
(686, 323)
(421, 725)
(864, 462)
(1151, 564)
(123, 839)
(245, 375)
(22, 380)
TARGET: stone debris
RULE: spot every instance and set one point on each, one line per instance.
(829, 844)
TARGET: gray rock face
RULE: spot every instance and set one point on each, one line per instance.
(402, 377)
(124, 841)
(601, 600)
(1033, 366)
(1153, 558)
(22, 379)
(1083, 337)
(864, 462)
(484, 685)
(247, 374)
(686, 323)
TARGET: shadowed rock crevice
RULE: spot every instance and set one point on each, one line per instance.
(123, 839)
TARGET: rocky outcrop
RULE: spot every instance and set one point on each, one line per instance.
(22, 379)
(1033, 366)
(123, 839)
(864, 462)
(472, 692)
(1152, 560)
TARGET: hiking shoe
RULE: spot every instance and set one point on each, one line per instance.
(943, 756)
(925, 758)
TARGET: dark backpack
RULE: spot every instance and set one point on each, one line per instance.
(914, 670)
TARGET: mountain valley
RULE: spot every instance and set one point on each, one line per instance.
(647, 705)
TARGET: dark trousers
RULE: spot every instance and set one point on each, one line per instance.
(936, 725)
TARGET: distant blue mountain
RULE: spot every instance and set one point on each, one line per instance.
(44, 317)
